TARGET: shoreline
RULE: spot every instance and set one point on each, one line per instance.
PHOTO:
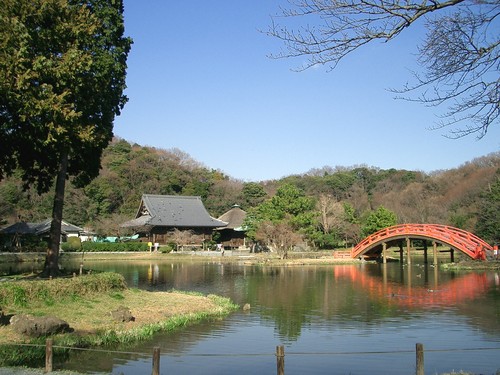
(90, 314)
(241, 257)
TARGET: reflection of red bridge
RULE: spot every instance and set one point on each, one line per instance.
(465, 288)
(468, 243)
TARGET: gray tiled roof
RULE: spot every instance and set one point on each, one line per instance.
(176, 211)
(39, 228)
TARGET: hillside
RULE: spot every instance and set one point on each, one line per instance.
(452, 197)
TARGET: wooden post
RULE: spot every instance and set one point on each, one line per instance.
(434, 245)
(425, 252)
(452, 255)
(420, 359)
(156, 360)
(280, 359)
(384, 248)
(408, 245)
(48, 355)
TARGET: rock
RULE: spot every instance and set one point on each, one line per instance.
(246, 307)
(122, 314)
(36, 326)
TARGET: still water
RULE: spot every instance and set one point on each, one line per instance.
(341, 319)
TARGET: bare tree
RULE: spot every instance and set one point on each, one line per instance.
(279, 237)
(331, 213)
(183, 238)
(460, 54)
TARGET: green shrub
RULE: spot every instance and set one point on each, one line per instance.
(89, 246)
(73, 244)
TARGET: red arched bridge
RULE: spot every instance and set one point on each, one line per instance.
(374, 245)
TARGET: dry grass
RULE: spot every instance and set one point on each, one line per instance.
(91, 314)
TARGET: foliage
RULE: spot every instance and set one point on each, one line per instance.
(459, 54)
(73, 244)
(278, 220)
(488, 222)
(450, 197)
(62, 76)
(379, 219)
(253, 194)
(62, 67)
(90, 246)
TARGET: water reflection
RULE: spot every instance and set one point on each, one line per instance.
(429, 295)
(317, 309)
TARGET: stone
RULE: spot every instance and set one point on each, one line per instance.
(246, 307)
(37, 326)
(122, 314)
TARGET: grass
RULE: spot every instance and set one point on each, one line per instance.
(88, 313)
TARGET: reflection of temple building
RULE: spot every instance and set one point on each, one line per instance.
(467, 287)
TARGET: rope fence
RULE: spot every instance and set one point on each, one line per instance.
(279, 354)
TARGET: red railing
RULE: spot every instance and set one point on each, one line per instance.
(460, 239)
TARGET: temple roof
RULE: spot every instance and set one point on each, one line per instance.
(173, 211)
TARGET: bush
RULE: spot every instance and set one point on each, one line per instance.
(73, 244)
(89, 246)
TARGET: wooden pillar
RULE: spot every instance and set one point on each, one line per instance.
(408, 245)
(452, 255)
(280, 359)
(435, 251)
(156, 361)
(401, 252)
(425, 251)
(420, 359)
(384, 248)
(48, 355)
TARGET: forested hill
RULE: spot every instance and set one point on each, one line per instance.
(455, 197)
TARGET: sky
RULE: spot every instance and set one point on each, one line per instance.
(200, 79)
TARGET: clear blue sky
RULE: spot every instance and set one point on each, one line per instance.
(199, 80)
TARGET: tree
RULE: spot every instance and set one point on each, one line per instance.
(459, 55)
(253, 194)
(288, 211)
(488, 222)
(280, 237)
(379, 219)
(62, 76)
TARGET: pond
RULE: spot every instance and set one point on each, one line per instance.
(336, 319)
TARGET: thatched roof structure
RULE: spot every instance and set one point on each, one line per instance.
(234, 217)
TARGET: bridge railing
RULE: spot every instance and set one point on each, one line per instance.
(465, 241)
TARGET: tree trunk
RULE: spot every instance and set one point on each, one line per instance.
(52, 258)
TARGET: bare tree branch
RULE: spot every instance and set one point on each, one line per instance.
(460, 54)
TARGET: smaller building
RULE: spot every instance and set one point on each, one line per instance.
(232, 236)
(23, 233)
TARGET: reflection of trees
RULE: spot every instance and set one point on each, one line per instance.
(294, 298)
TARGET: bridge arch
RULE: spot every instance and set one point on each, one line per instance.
(456, 238)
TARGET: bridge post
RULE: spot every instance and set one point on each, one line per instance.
(434, 245)
(452, 255)
(408, 245)
(384, 248)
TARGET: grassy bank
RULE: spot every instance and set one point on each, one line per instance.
(86, 303)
